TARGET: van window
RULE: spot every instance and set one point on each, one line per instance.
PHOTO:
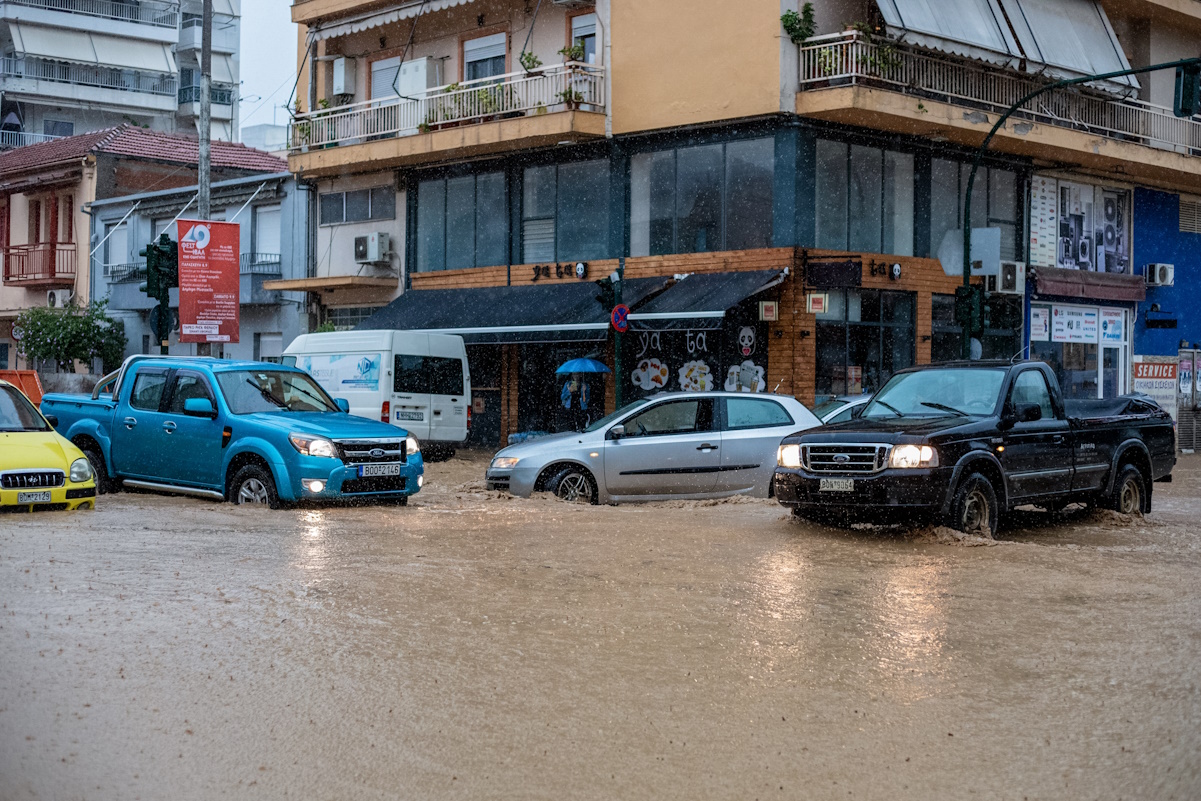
(432, 375)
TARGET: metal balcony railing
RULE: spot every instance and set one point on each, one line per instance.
(260, 264)
(44, 263)
(556, 88)
(11, 139)
(126, 273)
(847, 59)
(40, 69)
(146, 12)
(219, 95)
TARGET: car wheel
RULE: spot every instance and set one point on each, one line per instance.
(1129, 491)
(975, 509)
(574, 485)
(104, 484)
(253, 486)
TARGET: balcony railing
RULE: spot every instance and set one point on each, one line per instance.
(556, 88)
(11, 139)
(41, 69)
(45, 263)
(260, 264)
(852, 59)
(162, 15)
(219, 95)
(129, 273)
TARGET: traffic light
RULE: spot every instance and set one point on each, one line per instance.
(150, 253)
(1188, 90)
(607, 296)
(985, 310)
(964, 300)
(168, 262)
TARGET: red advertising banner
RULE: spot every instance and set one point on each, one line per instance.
(208, 281)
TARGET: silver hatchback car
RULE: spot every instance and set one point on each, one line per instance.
(685, 445)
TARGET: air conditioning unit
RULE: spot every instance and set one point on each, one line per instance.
(418, 75)
(1009, 280)
(372, 248)
(343, 75)
(59, 298)
(1160, 274)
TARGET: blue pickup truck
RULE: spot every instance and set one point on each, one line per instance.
(247, 432)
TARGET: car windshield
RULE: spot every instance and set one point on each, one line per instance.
(249, 391)
(956, 392)
(823, 409)
(17, 413)
(608, 419)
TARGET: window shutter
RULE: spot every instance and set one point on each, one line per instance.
(484, 48)
(383, 77)
(1190, 215)
(538, 241)
(583, 25)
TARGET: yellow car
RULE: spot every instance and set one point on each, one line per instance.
(38, 468)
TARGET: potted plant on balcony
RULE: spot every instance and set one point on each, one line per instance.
(573, 52)
(571, 98)
(799, 27)
(530, 62)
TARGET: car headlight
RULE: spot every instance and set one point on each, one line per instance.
(789, 456)
(504, 463)
(313, 446)
(81, 471)
(412, 446)
(913, 456)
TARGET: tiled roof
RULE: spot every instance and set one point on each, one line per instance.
(138, 143)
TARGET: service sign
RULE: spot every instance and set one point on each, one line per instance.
(208, 281)
(1112, 327)
(1156, 376)
(1074, 324)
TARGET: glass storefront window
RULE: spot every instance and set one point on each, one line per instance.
(863, 337)
(864, 199)
(461, 222)
(565, 212)
(1085, 370)
(1000, 341)
(994, 202)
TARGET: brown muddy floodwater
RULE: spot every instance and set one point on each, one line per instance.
(476, 646)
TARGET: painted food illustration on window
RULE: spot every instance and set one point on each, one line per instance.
(745, 377)
(650, 374)
(695, 376)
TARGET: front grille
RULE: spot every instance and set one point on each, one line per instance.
(497, 482)
(360, 451)
(35, 507)
(848, 459)
(32, 479)
(82, 492)
(373, 484)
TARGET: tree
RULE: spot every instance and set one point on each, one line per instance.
(63, 336)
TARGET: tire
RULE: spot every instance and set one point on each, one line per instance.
(253, 486)
(574, 485)
(1129, 493)
(104, 483)
(975, 510)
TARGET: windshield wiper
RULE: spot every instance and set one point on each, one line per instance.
(889, 408)
(267, 394)
(320, 401)
(944, 408)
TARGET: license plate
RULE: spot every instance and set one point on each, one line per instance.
(369, 470)
(410, 415)
(836, 485)
(33, 497)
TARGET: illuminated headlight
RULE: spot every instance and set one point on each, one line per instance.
(81, 471)
(420, 482)
(504, 463)
(412, 445)
(789, 456)
(315, 486)
(913, 456)
(313, 446)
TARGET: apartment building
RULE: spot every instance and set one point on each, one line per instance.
(73, 66)
(779, 206)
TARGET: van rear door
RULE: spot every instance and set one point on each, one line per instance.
(411, 394)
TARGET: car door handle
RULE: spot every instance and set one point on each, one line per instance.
(707, 447)
(130, 422)
(1057, 439)
(169, 427)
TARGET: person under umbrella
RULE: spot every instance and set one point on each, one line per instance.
(576, 393)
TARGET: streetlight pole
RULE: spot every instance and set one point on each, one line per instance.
(971, 180)
(206, 110)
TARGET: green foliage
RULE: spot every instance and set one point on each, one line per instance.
(799, 27)
(66, 335)
(571, 97)
(573, 52)
(529, 61)
(325, 328)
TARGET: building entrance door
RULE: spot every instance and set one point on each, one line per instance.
(1188, 426)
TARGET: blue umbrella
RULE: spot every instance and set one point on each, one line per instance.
(582, 366)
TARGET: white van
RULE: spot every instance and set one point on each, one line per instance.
(410, 379)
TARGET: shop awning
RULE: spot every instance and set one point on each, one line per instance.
(328, 283)
(222, 69)
(82, 47)
(1069, 39)
(560, 312)
(364, 22)
(701, 300)
(972, 28)
(1089, 285)
(133, 54)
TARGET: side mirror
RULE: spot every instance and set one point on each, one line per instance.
(343, 404)
(616, 432)
(1029, 412)
(52, 420)
(858, 411)
(199, 407)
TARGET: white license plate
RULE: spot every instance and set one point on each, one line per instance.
(369, 470)
(836, 485)
(410, 415)
(33, 497)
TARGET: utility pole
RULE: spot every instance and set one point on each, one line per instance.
(969, 301)
(206, 110)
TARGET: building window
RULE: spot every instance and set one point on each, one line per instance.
(864, 337)
(67, 225)
(359, 205)
(565, 212)
(583, 33)
(1001, 340)
(994, 203)
(116, 248)
(35, 222)
(864, 199)
(703, 198)
(462, 222)
(266, 234)
(58, 128)
(346, 318)
(484, 57)
(1190, 215)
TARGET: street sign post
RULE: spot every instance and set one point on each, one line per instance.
(620, 318)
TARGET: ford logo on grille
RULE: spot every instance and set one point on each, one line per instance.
(842, 458)
(376, 453)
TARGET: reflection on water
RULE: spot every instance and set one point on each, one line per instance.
(311, 550)
(911, 609)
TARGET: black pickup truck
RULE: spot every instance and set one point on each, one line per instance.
(962, 442)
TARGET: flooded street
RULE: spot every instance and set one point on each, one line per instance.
(473, 645)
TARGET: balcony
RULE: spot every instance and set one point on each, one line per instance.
(29, 76)
(260, 264)
(11, 139)
(851, 79)
(491, 115)
(159, 14)
(131, 273)
(47, 264)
